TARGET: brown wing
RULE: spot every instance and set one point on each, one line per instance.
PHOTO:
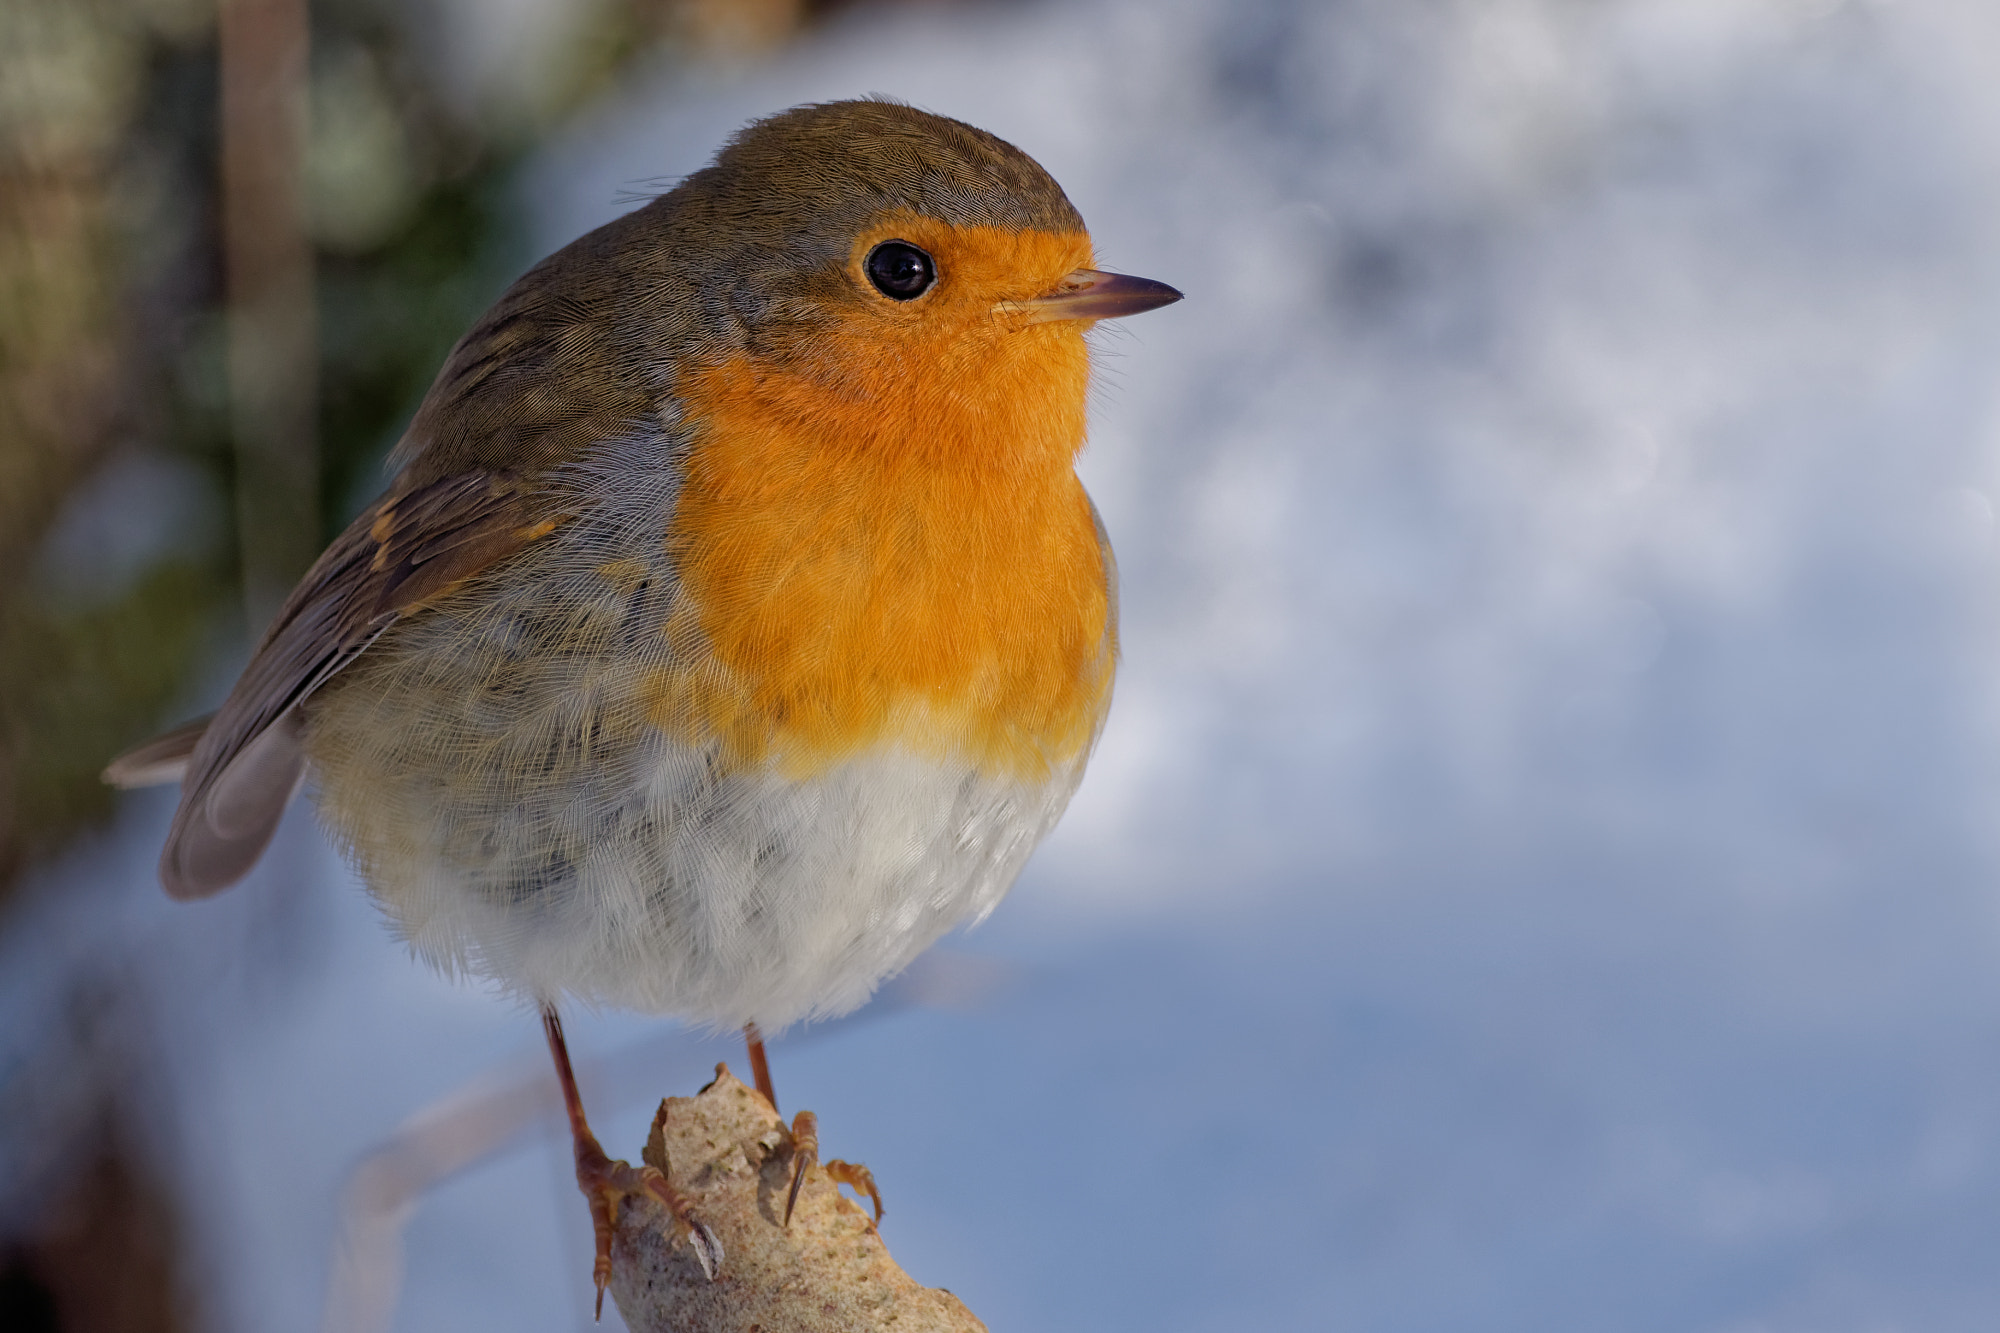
(248, 761)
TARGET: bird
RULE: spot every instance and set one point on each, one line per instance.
(734, 622)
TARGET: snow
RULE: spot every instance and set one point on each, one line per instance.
(1540, 871)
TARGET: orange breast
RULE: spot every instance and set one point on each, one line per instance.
(885, 541)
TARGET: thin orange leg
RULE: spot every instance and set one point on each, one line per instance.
(606, 1183)
(760, 1064)
(805, 1137)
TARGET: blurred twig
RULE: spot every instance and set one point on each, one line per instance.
(273, 352)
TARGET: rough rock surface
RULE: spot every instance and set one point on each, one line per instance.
(730, 1156)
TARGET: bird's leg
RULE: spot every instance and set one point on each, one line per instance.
(607, 1183)
(805, 1137)
(760, 1064)
(805, 1127)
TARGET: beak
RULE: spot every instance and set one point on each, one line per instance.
(1089, 294)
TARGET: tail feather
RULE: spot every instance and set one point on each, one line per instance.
(159, 761)
(223, 826)
(219, 834)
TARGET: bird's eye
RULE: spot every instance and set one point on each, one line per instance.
(900, 271)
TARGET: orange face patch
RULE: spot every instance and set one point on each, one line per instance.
(881, 536)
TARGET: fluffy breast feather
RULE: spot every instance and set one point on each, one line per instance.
(497, 769)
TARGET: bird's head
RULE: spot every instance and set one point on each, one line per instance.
(883, 255)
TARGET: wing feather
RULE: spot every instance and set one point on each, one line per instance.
(249, 759)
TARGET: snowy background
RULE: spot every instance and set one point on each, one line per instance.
(1543, 869)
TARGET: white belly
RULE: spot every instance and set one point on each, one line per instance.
(747, 898)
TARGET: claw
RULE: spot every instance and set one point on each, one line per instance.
(606, 1184)
(857, 1178)
(805, 1156)
(707, 1249)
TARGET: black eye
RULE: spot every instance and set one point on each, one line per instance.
(900, 271)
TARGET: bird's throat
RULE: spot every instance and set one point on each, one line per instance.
(897, 554)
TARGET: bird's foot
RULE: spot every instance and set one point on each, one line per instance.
(607, 1183)
(805, 1156)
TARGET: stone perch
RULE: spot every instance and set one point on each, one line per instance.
(727, 1152)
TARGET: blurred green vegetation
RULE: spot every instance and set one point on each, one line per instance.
(112, 321)
(111, 344)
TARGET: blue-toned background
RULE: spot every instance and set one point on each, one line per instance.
(1543, 868)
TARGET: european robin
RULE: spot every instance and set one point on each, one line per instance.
(735, 623)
